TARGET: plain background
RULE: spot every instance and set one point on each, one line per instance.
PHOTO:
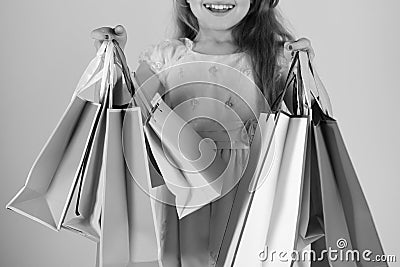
(45, 46)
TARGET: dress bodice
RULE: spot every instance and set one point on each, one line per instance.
(211, 92)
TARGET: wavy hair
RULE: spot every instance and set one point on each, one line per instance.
(260, 33)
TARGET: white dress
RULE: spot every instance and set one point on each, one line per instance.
(216, 94)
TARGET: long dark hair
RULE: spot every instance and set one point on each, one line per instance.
(260, 33)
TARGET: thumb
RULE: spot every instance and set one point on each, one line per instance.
(119, 30)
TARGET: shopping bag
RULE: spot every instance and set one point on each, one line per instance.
(269, 206)
(249, 221)
(83, 210)
(275, 199)
(83, 213)
(187, 162)
(272, 219)
(165, 220)
(48, 188)
(337, 198)
(355, 229)
(127, 228)
(310, 226)
(244, 196)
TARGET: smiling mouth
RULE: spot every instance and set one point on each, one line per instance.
(219, 8)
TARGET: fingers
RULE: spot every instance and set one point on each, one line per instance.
(302, 44)
(120, 35)
(102, 33)
(107, 33)
(119, 30)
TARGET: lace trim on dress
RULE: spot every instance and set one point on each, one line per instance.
(160, 56)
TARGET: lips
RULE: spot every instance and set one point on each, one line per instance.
(219, 8)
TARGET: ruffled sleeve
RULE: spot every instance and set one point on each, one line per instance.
(162, 55)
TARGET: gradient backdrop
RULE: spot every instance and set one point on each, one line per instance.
(46, 46)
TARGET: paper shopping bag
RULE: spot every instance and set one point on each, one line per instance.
(310, 226)
(272, 219)
(283, 224)
(84, 208)
(244, 196)
(128, 236)
(291, 226)
(165, 220)
(143, 237)
(347, 221)
(83, 211)
(267, 213)
(197, 176)
(49, 185)
(335, 226)
(188, 164)
(355, 229)
(48, 188)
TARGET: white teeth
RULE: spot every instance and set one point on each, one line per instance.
(219, 6)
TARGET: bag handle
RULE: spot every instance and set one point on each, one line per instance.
(131, 82)
(124, 66)
(108, 72)
(309, 77)
(301, 74)
(303, 88)
(112, 73)
(288, 81)
(91, 75)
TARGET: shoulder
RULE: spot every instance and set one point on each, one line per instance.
(160, 55)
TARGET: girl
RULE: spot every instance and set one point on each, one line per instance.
(247, 36)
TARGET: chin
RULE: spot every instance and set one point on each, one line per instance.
(217, 24)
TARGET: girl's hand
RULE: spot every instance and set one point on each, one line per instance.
(107, 33)
(302, 44)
